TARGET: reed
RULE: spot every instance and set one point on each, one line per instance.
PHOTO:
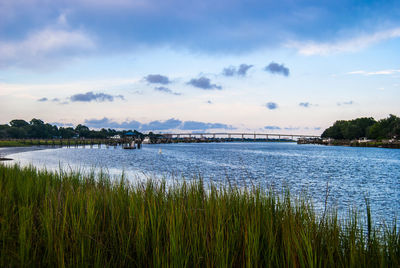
(71, 219)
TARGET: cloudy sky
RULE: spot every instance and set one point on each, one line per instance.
(266, 66)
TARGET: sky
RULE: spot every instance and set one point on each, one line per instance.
(287, 66)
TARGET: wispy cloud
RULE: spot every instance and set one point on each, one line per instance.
(44, 46)
(346, 45)
(90, 96)
(307, 104)
(345, 103)
(167, 90)
(272, 128)
(276, 68)
(381, 72)
(157, 79)
(271, 105)
(203, 83)
(42, 99)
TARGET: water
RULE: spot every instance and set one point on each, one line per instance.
(351, 174)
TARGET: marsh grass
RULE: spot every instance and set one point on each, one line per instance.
(79, 220)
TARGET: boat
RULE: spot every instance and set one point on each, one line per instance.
(129, 146)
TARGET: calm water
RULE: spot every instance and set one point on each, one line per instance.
(350, 173)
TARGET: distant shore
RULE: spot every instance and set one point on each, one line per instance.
(353, 143)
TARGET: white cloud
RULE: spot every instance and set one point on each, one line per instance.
(381, 72)
(349, 45)
(41, 46)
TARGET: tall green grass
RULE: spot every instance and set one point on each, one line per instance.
(80, 220)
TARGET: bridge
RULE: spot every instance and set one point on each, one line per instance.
(226, 135)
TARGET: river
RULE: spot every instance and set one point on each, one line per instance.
(349, 174)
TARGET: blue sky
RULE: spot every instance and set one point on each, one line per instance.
(265, 66)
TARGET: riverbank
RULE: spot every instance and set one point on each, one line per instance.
(74, 219)
(352, 143)
(4, 151)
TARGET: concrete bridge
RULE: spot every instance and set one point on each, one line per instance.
(236, 135)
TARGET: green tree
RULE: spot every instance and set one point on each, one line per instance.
(83, 131)
(386, 128)
(18, 123)
(349, 129)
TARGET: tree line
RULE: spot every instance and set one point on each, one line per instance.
(37, 129)
(368, 127)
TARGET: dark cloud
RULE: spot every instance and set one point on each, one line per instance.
(243, 68)
(239, 71)
(229, 71)
(157, 125)
(276, 68)
(167, 90)
(157, 79)
(271, 105)
(247, 25)
(272, 127)
(90, 96)
(203, 83)
(108, 123)
(162, 125)
(43, 99)
(195, 125)
(305, 104)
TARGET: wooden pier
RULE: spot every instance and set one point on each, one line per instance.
(126, 142)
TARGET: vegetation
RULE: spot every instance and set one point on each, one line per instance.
(37, 129)
(70, 219)
(364, 127)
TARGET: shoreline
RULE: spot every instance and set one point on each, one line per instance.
(5, 151)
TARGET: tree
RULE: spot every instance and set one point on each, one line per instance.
(67, 133)
(350, 129)
(386, 128)
(83, 131)
(18, 123)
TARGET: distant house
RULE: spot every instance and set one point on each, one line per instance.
(364, 139)
(116, 137)
(147, 140)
